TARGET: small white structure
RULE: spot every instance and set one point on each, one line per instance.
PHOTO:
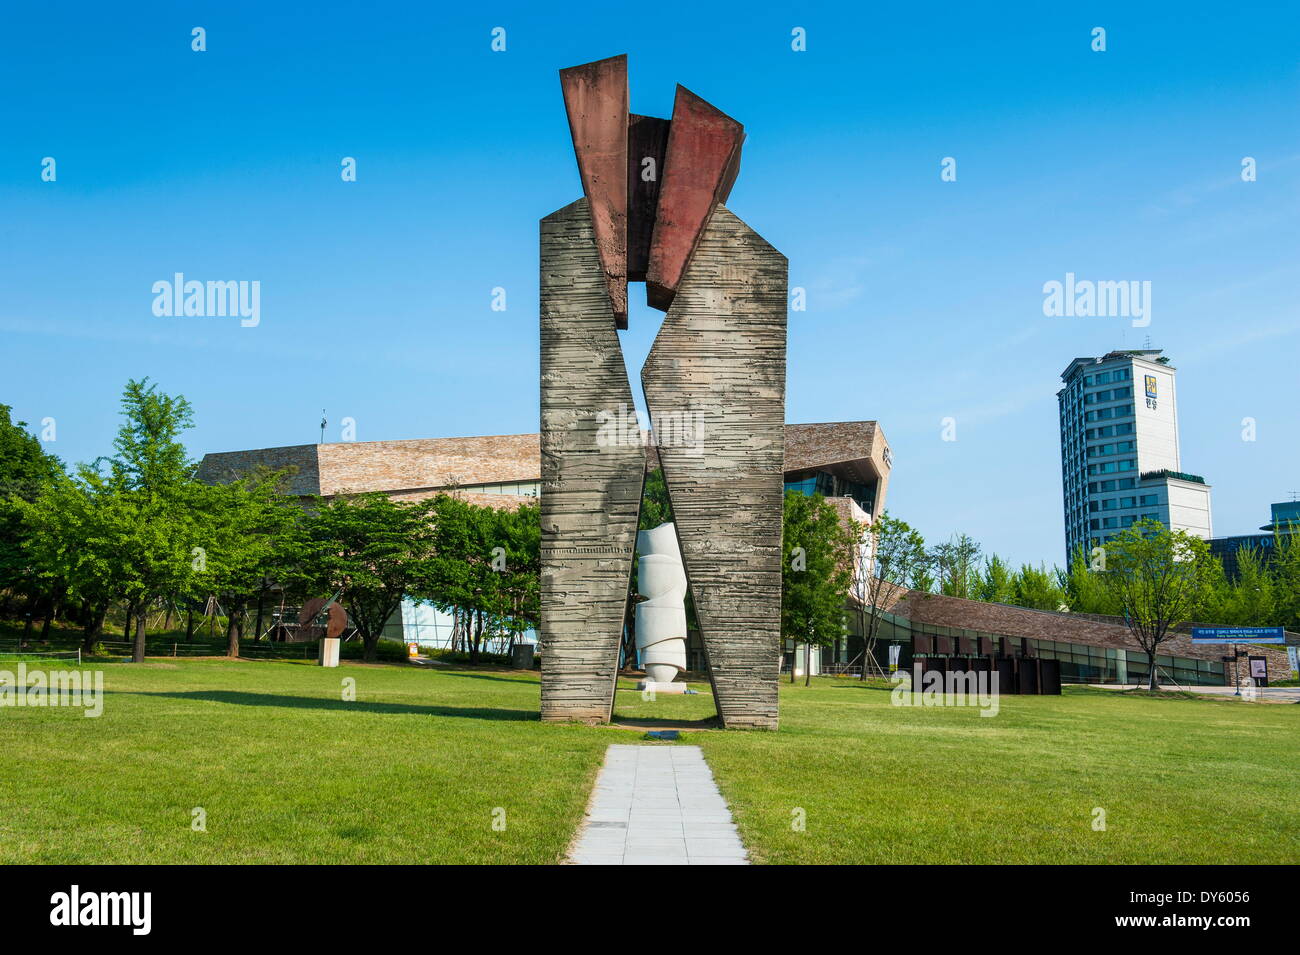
(661, 617)
(328, 654)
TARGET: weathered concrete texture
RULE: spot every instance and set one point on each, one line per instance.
(719, 359)
(700, 167)
(595, 96)
(591, 487)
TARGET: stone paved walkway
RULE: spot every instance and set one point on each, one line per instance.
(657, 805)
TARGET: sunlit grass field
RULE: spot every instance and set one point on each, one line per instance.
(451, 765)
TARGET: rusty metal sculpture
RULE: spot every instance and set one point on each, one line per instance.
(653, 211)
(309, 625)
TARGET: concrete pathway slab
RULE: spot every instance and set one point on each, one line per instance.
(657, 805)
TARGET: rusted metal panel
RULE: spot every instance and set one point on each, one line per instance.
(593, 472)
(700, 167)
(595, 97)
(647, 145)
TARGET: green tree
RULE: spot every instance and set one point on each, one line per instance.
(26, 472)
(1254, 596)
(1286, 576)
(1155, 576)
(895, 553)
(158, 526)
(819, 554)
(1037, 588)
(996, 585)
(126, 527)
(656, 508)
(1085, 588)
(250, 538)
(1219, 601)
(484, 567)
(922, 579)
(458, 575)
(956, 567)
(514, 591)
(74, 536)
(372, 551)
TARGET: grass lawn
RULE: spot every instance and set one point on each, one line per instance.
(413, 770)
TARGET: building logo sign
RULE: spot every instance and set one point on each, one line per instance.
(1151, 391)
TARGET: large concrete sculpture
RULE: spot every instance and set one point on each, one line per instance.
(714, 384)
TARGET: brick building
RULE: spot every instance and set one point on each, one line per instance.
(849, 462)
(1091, 648)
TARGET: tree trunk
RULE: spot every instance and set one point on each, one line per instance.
(189, 624)
(49, 619)
(807, 664)
(94, 627)
(629, 633)
(371, 653)
(477, 638)
(261, 594)
(1152, 683)
(868, 639)
(126, 627)
(794, 658)
(137, 649)
(233, 633)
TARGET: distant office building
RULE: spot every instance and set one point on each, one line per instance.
(1285, 521)
(1120, 459)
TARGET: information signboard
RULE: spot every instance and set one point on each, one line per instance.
(1238, 635)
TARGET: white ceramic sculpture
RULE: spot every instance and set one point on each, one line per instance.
(661, 617)
(327, 654)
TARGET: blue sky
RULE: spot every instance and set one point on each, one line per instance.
(924, 297)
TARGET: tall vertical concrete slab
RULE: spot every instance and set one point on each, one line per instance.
(593, 472)
(715, 387)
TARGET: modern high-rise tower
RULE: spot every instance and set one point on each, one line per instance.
(1119, 450)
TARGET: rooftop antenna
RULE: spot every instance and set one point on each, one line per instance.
(323, 422)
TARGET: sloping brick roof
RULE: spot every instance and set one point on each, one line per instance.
(1089, 629)
(390, 466)
(855, 447)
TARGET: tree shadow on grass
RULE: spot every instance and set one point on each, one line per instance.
(485, 676)
(666, 722)
(355, 706)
